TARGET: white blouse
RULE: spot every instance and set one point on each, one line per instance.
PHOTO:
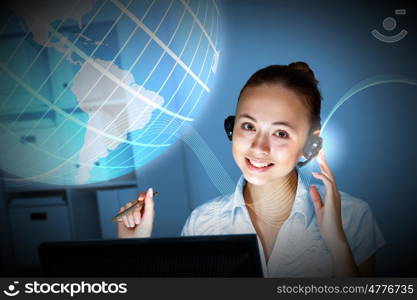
(299, 249)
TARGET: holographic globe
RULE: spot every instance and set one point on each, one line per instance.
(92, 90)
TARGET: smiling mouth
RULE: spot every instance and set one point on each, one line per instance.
(256, 165)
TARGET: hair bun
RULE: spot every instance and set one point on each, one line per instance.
(302, 66)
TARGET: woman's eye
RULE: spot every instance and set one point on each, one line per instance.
(281, 134)
(247, 126)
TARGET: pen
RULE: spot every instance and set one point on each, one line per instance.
(136, 204)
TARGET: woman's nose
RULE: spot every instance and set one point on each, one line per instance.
(260, 144)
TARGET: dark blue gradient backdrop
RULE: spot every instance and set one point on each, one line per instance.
(372, 137)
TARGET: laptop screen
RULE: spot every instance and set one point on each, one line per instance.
(191, 256)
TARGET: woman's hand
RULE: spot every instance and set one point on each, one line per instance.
(138, 223)
(329, 218)
(328, 212)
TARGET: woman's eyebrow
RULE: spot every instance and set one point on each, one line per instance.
(274, 123)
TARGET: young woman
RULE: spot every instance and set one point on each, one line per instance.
(277, 115)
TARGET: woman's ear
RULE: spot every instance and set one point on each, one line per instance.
(317, 132)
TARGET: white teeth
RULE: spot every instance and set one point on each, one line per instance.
(259, 165)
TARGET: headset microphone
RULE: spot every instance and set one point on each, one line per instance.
(311, 149)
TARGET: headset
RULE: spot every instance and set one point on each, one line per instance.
(311, 148)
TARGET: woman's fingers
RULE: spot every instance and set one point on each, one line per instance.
(138, 215)
(128, 218)
(125, 221)
(328, 183)
(141, 196)
(125, 217)
(323, 177)
(316, 198)
(324, 166)
(131, 220)
(148, 213)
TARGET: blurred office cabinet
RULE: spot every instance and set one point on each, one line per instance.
(37, 212)
(37, 220)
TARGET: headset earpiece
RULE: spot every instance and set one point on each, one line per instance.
(229, 123)
(311, 149)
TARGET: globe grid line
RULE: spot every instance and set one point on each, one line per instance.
(133, 65)
(23, 75)
(65, 158)
(28, 32)
(98, 131)
(59, 110)
(91, 142)
(159, 42)
(190, 93)
(108, 97)
(149, 126)
(49, 75)
(195, 84)
(58, 64)
(114, 78)
(62, 57)
(216, 7)
(155, 122)
(144, 83)
(197, 20)
(80, 101)
(89, 60)
(32, 63)
(17, 48)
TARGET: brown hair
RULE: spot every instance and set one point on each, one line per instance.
(297, 77)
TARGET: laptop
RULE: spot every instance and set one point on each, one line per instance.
(234, 255)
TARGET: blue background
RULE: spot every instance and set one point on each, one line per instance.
(374, 133)
(371, 141)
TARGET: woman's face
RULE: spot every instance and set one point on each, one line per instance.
(269, 134)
